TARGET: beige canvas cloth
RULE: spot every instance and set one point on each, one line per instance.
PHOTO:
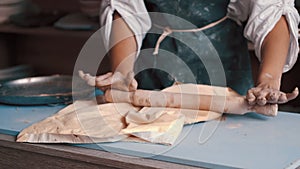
(87, 122)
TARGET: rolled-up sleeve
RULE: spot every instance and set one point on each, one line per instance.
(262, 17)
(134, 14)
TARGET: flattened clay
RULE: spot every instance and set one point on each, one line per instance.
(87, 122)
(192, 116)
(81, 122)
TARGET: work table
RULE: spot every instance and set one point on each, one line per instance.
(249, 141)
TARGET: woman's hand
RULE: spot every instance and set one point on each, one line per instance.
(111, 81)
(274, 54)
(267, 91)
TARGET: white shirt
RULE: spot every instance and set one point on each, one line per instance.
(262, 16)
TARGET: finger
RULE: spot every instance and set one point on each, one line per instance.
(284, 98)
(261, 97)
(132, 83)
(273, 96)
(90, 80)
(119, 82)
(81, 74)
(84, 76)
(252, 95)
(122, 82)
(103, 77)
(104, 82)
(293, 95)
(130, 77)
(118, 77)
(120, 86)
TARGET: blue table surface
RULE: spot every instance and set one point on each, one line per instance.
(249, 141)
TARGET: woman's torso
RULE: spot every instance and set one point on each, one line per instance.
(202, 52)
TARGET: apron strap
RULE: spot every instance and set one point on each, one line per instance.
(167, 31)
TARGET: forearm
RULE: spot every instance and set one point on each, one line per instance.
(274, 53)
(273, 58)
(124, 46)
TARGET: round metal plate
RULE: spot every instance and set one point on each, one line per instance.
(43, 90)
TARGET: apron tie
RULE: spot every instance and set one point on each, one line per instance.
(167, 31)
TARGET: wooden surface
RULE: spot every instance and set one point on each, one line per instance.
(24, 155)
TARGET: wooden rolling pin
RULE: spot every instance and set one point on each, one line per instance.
(233, 104)
(222, 104)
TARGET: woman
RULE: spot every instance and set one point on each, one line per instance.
(270, 25)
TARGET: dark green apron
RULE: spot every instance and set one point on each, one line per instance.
(225, 40)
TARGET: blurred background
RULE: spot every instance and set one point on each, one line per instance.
(47, 36)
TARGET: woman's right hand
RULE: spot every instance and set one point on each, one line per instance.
(111, 81)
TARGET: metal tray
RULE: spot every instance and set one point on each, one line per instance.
(43, 90)
(16, 72)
